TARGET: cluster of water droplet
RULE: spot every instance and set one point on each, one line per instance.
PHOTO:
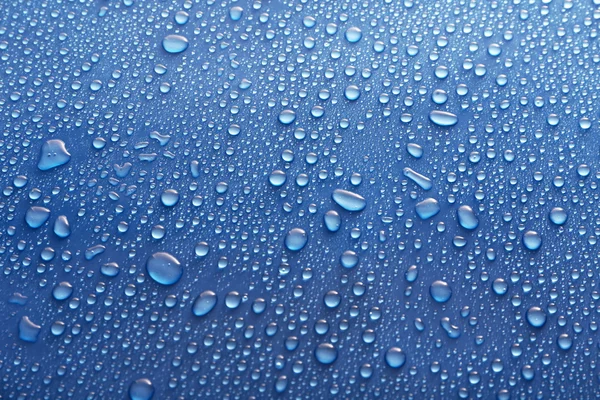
(314, 198)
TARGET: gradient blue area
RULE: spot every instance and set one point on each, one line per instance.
(299, 199)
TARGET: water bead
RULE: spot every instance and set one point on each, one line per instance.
(558, 216)
(175, 44)
(352, 92)
(532, 240)
(277, 178)
(141, 389)
(326, 353)
(28, 330)
(353, 34)
(395, 357)
(349, 259)
(37, 216)
(169, 197)
(296, 239)
(440, 291)
(53, 154)
(467, 218)
(332, 220)
(414, 150)
(443, 118)
(536, 317)
(204, 303)
(349, 201)
(62, 291)
(286, 117)
(235, 13)
(427, 208)
(164, 268)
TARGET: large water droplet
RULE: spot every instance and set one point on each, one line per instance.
(558, 216)
(421, 180)
(53, 154)
(467, 218)
(427, 208)
(440, 291)
(532, 240)
(286, 117)
(326, 353)
(395, 357)
(353, 34)
(164, 268)
(62, 228)
(204, 303)
(349, 201)
(536, 317)
(443, 118)
(36, 216)
(296, 239)
(28, 331)
(175, 44)
(141, 389)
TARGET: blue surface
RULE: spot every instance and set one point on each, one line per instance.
(378, 199)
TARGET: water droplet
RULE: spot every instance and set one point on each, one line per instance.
(53, 154)
(349, 259)
(349, 201)
(37, 216)
(332, 220)
(427, 208)
(141, 389)
(204, 303)
(414, 150)
(62, 228)
(28, 331)
(558, 216)
(325, 353)
(467, 218)
(395, 357)
(169, 197)
(440, 291)
(296, 239)
(443, 118)
(175, 44)
(286, 117)
(353, 34)
(62, 291)
(421, 180)
(164, 268)
(532, 240)
(536, 317)
(352, 92)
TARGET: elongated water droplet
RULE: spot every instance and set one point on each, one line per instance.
(421, 180)
(443, 118)
(349, 201)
